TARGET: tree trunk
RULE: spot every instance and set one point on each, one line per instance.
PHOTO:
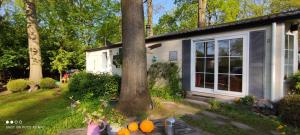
(134, 97)
(33, 42)
(201, 13)
(1, 2)
(149, 19)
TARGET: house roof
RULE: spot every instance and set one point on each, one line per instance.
(241, 24)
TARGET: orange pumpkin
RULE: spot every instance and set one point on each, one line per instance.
(147, 126)
(123, 131)
(133, 126)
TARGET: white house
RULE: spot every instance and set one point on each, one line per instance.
(248, 57)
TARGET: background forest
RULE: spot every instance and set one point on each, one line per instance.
(68, 27)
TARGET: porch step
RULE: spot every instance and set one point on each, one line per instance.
(206, 97)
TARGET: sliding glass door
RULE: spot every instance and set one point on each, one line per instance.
(205, 65)
(218, 65)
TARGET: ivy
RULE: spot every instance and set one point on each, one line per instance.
(169, 72)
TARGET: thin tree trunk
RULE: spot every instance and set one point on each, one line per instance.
(134, 97)
(1, 2)
(149, 19)
(201, 13)
(33, 42)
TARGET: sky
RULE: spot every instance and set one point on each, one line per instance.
(160, 7)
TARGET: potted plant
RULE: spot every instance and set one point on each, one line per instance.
(95, 124)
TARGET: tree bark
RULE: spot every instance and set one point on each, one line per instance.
(149, 18)
(134, 98)
(33, 42)
(201, 13)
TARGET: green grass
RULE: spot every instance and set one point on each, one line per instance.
(209, 126)
(261, 123)
(41, 108)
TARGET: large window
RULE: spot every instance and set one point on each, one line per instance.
(288, 55)
(230, 64)
(205, 51)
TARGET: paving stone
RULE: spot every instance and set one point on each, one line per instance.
(214, 115)
(79, 131)
(241, 125)
(274, 133)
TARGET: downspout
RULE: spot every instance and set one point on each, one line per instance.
(273, 61)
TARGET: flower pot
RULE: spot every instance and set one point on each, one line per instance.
(94, 128)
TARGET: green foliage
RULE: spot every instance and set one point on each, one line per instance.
(61, 61)
(104, 111)
(168, 89)
(88, 85)
(247, 100)
(214, 104)
(289, 108)
(47, 83)
(294, 84)
(17, 85)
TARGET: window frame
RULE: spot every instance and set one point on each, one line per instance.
(245, 65)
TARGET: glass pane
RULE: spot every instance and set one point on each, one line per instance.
(200, 51)
(236, 47)
(236, 65)
(200, 64)
(287, 42)
(288, 70)
(236, 83)
(286, 56)
(291, 57)
(209, 81)
(210, 65)
(199, 80)
(223, 47)
(223, 82)
(224, 65)
(210, 49)
(291, 42)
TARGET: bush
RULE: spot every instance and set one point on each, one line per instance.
(48, 83)
(288, 109)
(294, 83)
(95, 85)
(247, 100)
(164, 80)
(17, 85)
(214, 104)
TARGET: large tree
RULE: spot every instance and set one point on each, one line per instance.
(201, 13)
(134, 96)
(149, 18)
(33, 42)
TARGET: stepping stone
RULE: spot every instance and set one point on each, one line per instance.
(219, 122)
(241, 125)
(79, 131)
(274, 133)
(214, 115)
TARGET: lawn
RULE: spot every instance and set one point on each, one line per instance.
(42, 108)
(52, 112)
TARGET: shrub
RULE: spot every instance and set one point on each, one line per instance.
(17, 85)
(214, 104)
(48, 83)
(294, 83)
(164, 80)
(288, 109)
(247, 100)
(94, 85)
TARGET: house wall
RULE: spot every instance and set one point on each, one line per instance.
(273, 92)
(162, 52)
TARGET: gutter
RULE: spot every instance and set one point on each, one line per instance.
(273, 61)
